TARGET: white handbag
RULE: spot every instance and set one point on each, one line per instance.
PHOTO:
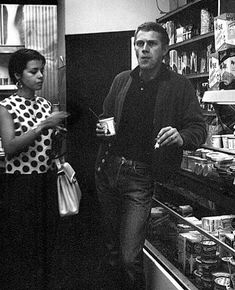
(69, 192)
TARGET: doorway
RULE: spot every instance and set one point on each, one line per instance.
(92, 62)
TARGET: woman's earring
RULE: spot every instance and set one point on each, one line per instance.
(19, 84)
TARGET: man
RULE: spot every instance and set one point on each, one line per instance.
(157, 115)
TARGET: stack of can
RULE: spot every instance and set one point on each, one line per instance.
(209, 263)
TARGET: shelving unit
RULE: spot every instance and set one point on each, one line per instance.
(179, 251)
(10, 48)
(209, 195)
(191, 42)
(5, 52)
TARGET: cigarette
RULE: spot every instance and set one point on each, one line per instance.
(156, 145)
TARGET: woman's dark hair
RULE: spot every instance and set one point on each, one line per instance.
(153, 26)
(19, 59)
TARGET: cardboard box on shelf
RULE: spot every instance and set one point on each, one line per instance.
(173, 60)
(214, 71)
(227, 68)
(224, 27)
(179, 34)
(189, 248)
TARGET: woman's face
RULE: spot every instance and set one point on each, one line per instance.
(33, 75)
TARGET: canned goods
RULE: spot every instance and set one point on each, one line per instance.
(220, 274)
(232, 267)
(222, 283)
(198, 278)
(199, 264)
(207, 283)
(225, 263)
(208, 249)
(209, 266)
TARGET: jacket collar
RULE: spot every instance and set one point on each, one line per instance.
(163, 73)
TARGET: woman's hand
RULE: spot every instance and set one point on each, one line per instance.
(54, 120)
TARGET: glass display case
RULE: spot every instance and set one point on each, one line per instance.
(191, 234)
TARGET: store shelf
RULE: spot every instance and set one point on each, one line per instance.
(197, 76)
(178, 247)
(222, 150)
(173, 13)
(7, 87)
(10, 48)
(192, 41)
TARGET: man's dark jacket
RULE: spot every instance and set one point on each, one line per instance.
(176, 106)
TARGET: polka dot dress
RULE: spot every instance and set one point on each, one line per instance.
(26, 113)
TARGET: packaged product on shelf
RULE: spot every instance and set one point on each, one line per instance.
(225, 263)
(203, 61)
(225, 138)
(232, 271)
(216, 141)
(193, 62)
(216, 223)
(185, 210)
(173, 60)
(224, 27)
(205, 21)
(179, 34)
(227, 69)
(185, 63)
(209, 266)
(211, 224)
(188, 246)
(206, 282)
(170, 28)
(184, 228)
(198, 278)
(208, 250)
(222, 283)
(229, 240)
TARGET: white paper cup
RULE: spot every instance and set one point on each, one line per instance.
(108, 126)
(216, 141)
(231, 142)
(225, 140)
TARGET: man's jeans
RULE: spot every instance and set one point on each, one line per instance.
(125, 191)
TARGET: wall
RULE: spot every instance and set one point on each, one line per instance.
(93, 16)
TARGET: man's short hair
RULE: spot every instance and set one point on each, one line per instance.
(153, 26)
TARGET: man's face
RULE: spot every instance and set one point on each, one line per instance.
(149, 49)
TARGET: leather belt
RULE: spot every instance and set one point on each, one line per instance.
(128, 162)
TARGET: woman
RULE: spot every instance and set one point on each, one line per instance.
(30, 198)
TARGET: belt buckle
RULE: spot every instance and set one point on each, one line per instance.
(129, 162)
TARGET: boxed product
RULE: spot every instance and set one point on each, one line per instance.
(183, 228)
(189, 248)
(205, 21)
(229, 240)
(174, 60)
(214, 71)
(224, 27)
(179, 34)
(227, 68)
(214, 223)
(170, 28)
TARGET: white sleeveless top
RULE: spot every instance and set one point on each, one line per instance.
(26, 113)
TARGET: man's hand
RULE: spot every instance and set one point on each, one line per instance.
(168, 136)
